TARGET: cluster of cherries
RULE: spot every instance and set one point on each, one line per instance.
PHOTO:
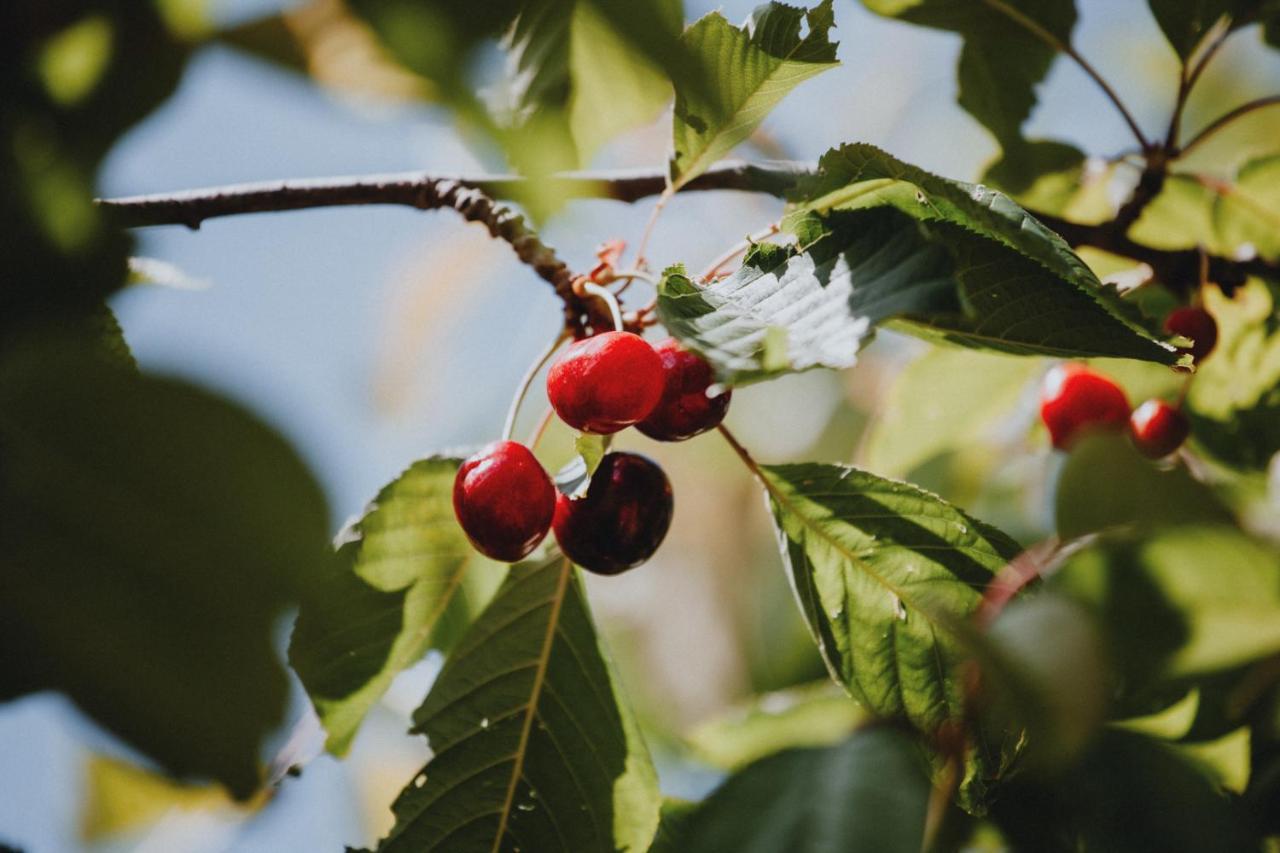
(506, 502)
(1076, 399)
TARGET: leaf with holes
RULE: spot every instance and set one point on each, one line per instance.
(533, 745)
(881, 569)
(406, 580)
(749, 71)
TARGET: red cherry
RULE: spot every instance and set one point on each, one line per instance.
(1075, 399)
(1158, 429)
(685, 410)
(621, 520)
(504, 501)
(606, 382)
(1197, 324)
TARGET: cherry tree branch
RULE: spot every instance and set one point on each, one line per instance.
(474, 198)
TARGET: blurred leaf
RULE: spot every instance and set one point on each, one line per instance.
(1008, 48)
(1043, 174)
(590, 449)
(406, 580)
(121, 797)
(1226, 759)
(1234, 401)
(153, 536)
(866, 795)
(163, 273)
(1248, 210)
(673, 826)
(750, 70)
(1184, 602)
(534, 747)
(882, 570)
(813, 715)
(1186, 22)
(1106, 483)
(1172, 723)
(930, 410)
(1180, 217)
(1002, 256)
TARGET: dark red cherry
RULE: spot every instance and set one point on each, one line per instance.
(685, 410)
(1197, 324)
(1158, 429)
(504, 501)
(621, 520)
(1076, 399)
(606, 382)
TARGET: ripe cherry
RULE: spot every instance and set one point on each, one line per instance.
(504, 500)
(1158, 429)
(621, 520)
(685, 410)
(606, 382)
(1075, 399)
(1197, 324)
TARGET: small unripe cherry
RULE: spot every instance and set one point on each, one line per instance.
(685, 410)
(605, 383)
(621, 520)
(1075, 399)
(504, 500)
(1158, 429)
(1196, 324)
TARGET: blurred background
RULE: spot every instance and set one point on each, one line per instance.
(373, 336)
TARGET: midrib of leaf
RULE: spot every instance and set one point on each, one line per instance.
(544, 660)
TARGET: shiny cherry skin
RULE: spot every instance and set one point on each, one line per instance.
(1076, 399)
(1158, 429)
(504, 501)
(621, 520)
(1197, 324)
(685, 410)
(606, 382)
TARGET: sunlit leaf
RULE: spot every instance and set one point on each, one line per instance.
(533, 746)
(1247, 211)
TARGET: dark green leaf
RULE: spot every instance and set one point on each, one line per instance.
(407, 580)
(748, 71)
(153, 536)
(533, 745)
(866, 795)
(882, 570)
(1185, 22)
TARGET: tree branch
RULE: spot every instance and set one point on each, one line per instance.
(474, 198)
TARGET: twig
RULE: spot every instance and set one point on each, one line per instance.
(1226, 118)
(738, 249)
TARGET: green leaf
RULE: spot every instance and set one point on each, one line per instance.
(154, 535)
(1106, 483)
(534, 747)
(866, 795)
(749, 71)
(1208, 596)
(1044, 174)
(1181, 217)
(882, 570)
(783, 313)
(1172, 723)
(1226, 759)
(1002, 257)
(930, 409)
(1008, 48)
(812, 715)
(1185, 22)
(406, 580)
(1248, 210)
(672, 826)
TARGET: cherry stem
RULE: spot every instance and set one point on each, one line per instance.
(743, 453)
(536, 437)
(738, 249)
(607, 295)
(509, 427)
(653, 220)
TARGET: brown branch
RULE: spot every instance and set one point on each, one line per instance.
(474, 199)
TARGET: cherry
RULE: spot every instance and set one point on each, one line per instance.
(504, 500)
(1075, 399)
(1197, 324)
(1158, 429)
(685, 410)
(621, 520)
(606, 382)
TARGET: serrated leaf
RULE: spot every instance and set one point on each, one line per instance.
(1003, 258)
(881, 570)
(153, 536)
(1247, 211)
(406, 580)
(1007, 52)
(533, 746)
(866, 795)
(748, 70)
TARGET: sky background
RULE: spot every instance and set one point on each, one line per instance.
(373, 336)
